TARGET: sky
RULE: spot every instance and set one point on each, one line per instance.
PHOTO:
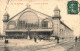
(45, 6)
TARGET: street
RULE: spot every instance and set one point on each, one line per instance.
(75, 47)
(30, 45)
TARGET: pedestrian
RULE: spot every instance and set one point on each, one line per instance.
(57, 39)
(79, 38)
(76, 39)
(35, 39)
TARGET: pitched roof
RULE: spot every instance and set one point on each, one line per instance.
(65, 25)
(31, 9)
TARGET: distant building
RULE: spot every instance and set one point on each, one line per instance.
(31, 23)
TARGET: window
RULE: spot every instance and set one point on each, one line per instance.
(44, 24)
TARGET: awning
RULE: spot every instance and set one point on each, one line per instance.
(32, 30)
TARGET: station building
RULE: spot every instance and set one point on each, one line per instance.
(32, 23)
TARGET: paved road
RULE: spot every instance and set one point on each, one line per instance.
(62, 46)
(67, 44)
(47, 46)
(76, 47)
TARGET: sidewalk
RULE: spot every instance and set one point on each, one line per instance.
(25, 45)
(25, 42)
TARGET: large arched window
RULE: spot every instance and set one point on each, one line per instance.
(28, 20)
(11, 25)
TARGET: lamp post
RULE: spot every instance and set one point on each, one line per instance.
(28, 28)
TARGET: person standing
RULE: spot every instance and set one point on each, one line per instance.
(35, 39)
(57, 39)
(76, 39)
(79, 38)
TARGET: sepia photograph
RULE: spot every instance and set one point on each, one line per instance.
(39, 25)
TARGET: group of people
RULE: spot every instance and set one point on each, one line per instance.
(56, 38)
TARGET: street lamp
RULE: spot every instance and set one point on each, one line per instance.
(28, 31)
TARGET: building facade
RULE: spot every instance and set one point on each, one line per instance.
(31, 23)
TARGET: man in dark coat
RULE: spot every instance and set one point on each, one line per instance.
(57, 39)
(35, 39)
(79, 38)
(76, 39)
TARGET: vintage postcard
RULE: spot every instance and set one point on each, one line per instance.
(39, 25)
